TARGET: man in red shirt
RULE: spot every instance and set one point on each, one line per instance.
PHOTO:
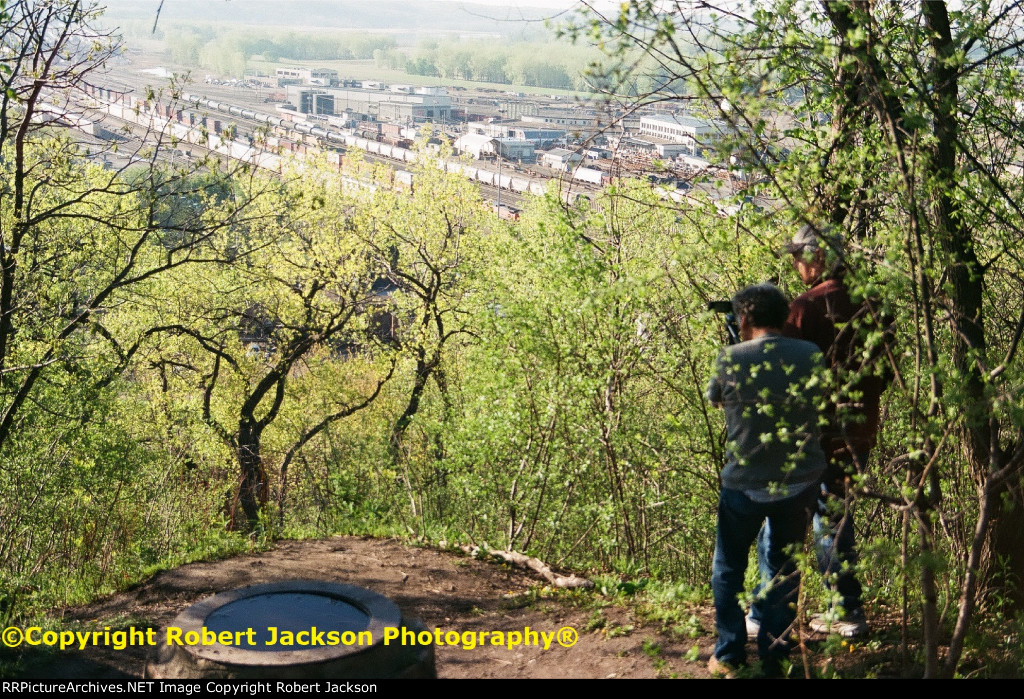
(827, 316)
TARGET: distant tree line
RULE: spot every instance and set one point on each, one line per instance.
(537, 64)
(227, 52)
(534, 61)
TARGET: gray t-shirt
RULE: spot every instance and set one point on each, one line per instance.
(771, 392)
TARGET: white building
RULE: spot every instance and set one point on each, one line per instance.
(306, 76)
(476, 145)
(493, 129)
(560, 159)
(696, 135)
(560, 117)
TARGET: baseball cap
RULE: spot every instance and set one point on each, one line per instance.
(810, 238)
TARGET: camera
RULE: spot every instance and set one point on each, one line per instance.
(732, 326)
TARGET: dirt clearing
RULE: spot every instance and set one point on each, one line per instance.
(446, 590)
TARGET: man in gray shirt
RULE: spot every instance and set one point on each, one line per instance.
(769, 386)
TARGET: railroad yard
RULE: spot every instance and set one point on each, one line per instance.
(249, 121)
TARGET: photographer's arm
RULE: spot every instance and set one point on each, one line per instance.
(714, 392)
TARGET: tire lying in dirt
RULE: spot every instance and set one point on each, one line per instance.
(301, 629)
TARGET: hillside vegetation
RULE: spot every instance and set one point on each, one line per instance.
(195, 360)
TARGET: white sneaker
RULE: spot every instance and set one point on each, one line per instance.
(849, 626)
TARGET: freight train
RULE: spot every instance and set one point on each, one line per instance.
(298, 127)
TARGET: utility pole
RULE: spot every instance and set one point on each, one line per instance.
(498, 150)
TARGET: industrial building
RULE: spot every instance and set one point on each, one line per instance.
(306, 76)
(481, 146)
(316, 102)
(380, 105)
(696, 135)
(561, 117)
(662, 147)
(476, 145)
(503, 129)
(560, 159)
(516, 149)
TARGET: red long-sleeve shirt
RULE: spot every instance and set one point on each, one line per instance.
(827, 316)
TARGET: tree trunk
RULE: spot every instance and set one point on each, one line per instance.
(423, 369)
(252, 486)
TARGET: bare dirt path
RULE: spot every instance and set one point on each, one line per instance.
(443, 589)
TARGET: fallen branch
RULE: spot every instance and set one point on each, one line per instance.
(569, 582)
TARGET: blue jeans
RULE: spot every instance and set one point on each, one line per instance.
(836, 548)
(834, 542)
(739, 521)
